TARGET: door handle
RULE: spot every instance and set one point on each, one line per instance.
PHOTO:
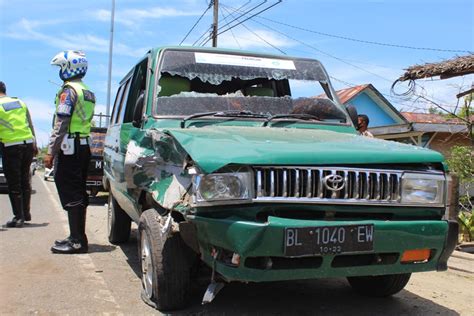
(116, 149)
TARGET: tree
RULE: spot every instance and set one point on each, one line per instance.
(461, 163)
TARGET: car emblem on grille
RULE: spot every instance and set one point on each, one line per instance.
(334, 182)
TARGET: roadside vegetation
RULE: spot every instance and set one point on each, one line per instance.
(461, 163)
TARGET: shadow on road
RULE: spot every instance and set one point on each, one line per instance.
(306, 297)
(324, 296)
(131, 252)
(27, 225)
(101, 248)
(98, 200)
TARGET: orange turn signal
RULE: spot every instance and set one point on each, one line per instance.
(415, 255)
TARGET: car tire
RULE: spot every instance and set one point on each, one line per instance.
(166, 263)
(379, 286)
(118, 222)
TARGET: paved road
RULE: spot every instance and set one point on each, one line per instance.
(105, 281)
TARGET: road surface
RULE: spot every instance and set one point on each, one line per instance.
(106, 280)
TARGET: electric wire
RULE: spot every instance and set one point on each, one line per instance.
(248, 18)
(315, 48)
(402, 96)
(196, 23)
(244, 13)
(257, 35)
(203, 35)
(232, 32)
(366, 41)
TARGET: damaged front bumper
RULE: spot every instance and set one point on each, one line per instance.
(250, 251)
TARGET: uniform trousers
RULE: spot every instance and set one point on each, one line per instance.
(16, 164)
(71, 176)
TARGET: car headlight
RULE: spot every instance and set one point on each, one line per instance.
(420, 188)
(236, 186)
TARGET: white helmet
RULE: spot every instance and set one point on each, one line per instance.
(72, 63)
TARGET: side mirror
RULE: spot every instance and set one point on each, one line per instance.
(352, 111)
(138, 110)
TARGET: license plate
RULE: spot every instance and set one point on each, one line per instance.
(300, 241)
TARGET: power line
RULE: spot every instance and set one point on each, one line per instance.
(202, 35)
(243, 13)
(198, 20)
(254, 33)
(248, 18)
(319, 50)
(366, 41)
(233, 35)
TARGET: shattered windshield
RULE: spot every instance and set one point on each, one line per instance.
(197, 82)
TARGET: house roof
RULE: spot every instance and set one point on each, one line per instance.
(454, 67)
(346, 95)
(431, 118)
(423, 123)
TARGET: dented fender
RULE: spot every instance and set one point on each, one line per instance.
(155, 163)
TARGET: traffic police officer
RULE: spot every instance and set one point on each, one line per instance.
(17, 136)
(69, 142)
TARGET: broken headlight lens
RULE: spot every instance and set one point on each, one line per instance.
(423, 189)
(223, 187)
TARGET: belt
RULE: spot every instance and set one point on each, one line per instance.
(84, 141)
(23, 142)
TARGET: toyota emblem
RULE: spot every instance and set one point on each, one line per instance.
(334, 182)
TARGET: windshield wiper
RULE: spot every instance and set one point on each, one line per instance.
(222, 114)
(305, 117)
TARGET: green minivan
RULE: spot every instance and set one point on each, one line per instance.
(248, 163)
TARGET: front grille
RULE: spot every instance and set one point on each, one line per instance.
(313, 184)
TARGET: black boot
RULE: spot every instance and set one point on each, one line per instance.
(77, 242)
(83, 227)
(64, 241)
(26, 205)
(17, 206)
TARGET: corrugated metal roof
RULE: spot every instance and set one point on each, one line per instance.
(431, 118)
(347, 94)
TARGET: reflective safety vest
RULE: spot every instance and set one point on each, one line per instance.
(14, 125)
(83, 109)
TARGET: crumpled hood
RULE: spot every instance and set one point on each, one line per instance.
(214, 147)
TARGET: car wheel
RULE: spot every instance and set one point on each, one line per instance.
(118, 222)
(379, 286)
(166, 263)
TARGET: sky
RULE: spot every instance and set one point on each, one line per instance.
(34, 31)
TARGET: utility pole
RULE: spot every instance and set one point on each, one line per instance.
(214, 26)
(111, 45)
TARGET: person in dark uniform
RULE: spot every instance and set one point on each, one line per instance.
(69, 142)
(17, 137)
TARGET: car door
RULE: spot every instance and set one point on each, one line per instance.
(113, 163)
(120, 135)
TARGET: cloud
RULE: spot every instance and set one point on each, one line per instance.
(40, 110)
(130, 17)
(28, 30)
(246, 40)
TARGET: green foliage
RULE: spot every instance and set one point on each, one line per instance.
(466, 225)
(461, 163)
